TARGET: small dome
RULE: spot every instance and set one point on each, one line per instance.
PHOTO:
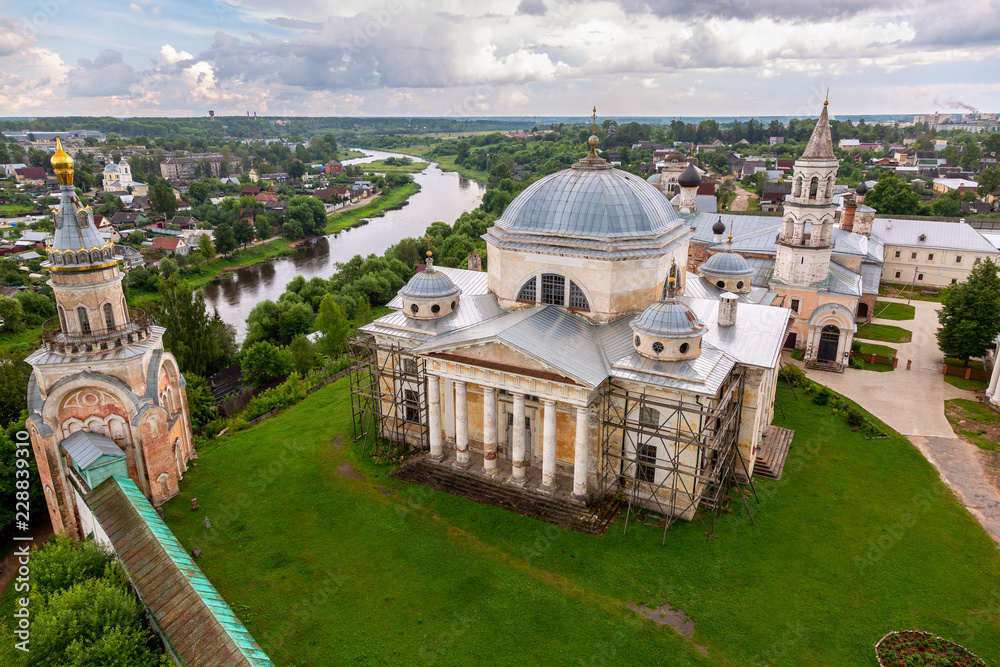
(429, 284)
(727, 263)
(862, 188)
(689, 178)
(112, 168)
(718, 227)
(669, 319)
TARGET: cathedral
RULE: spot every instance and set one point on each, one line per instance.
(586, 362)
(119, 177)
(104, 398)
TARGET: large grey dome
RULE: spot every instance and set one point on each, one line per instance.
(112, 168)
(727, 263)
(669, 319)
(591, 203)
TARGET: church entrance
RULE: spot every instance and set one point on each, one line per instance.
(862, 311)
(829, 340)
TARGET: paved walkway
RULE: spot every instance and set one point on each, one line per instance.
(912, 403)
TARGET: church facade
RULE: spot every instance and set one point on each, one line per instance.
(585, 362)
(104, 398)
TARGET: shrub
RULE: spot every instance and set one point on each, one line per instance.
(61, 562)
(855, 418)
(856, 362)
(856, 346)
(823, 396)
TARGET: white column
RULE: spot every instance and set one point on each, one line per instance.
(490, 431)
(548, 447)
(995, 377)
(518, 472)
(449, 410)
(461, 425)
(581, 453)
(434, 417)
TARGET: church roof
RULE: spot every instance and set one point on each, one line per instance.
(430, 284)
(86, 448)
(668, 318)
(820, 144)
(726, 263)
(471, 283)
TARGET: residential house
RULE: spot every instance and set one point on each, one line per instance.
(131, 258)
(10, 168)
(184, 221)
(123, 219)
(171, 245)
(333, 167)
(944, 185)
(277, 177)
(774, 195)
(784, 166)
(31, 175)
(252, 190)
(774, 141)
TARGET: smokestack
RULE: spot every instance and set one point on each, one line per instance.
(727, 309)
(850, 209)
(475, 261)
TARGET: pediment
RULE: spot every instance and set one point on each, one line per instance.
(502, 357)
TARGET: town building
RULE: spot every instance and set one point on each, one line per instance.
(104, 397)
(119, 177)
(930, 253)
(583, 364)
(187, 167)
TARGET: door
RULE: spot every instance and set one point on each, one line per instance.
(829, 340)
(527, 437)
(862, 311)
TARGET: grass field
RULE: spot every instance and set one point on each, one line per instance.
(976, 422)
(14, 210)
(885, 333)
(875, 348)
(967, 385)
(973, 363)
(890, 310)
(446, 162)
(899, 291)
(350, 154)
(381, 167)
(328, 569)
(351, 218)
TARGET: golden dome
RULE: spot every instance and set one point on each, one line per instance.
(62, 163)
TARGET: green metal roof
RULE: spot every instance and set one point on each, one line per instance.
(198, 624)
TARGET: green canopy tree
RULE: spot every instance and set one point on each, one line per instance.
(893, 196)
(332, 323)
(243, 232)
(262, 227)
(970, 314)
(162, 198)
(989, 180)
(262, 362)
(225, 238)
(205, 247)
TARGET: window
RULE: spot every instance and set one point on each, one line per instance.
(977, 260)
(410, 406)
(920, 276)
(898, 274)
(109, 317)
(954, 280)
(410, 366)
(62, 318)
(553, 289)
(81, 313)
(577, 298)
(913, 255)
(646, 463)
(897, 254)
(795, 305)
(930, 256)
(739, 284)
(657, 347)
(720, 284)
(684, 347)
(649, 416)
(527, 292)
(435, 309)
(414, 308)
(638, 342)
(958, 259)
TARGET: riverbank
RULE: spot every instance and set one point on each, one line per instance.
(380, 167)
(444, 162)
(352, 218)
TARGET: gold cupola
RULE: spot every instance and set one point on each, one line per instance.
(62, 163)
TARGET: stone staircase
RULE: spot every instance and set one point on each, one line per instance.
(831, 366)
(592, 519)
(772, 452)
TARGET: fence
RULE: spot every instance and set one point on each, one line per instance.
(968, 373)
(876, 359)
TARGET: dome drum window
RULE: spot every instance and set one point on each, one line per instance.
(528, 291)
(556, 291)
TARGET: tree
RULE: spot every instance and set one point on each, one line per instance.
(331, 321)
(11, 315)
(262, 362)
(199, 191)
(243, 232)
(225, 238)
(14, 374)
(162, 199)
(199, 399)
(989, 180)
(970, 314)
(168, 267)
(292, 229)
(296, 169)
(205, 247)
(135, 239)
(303, 354)
(262, 228)
(63, 562)
(37, 307)
(893, 196)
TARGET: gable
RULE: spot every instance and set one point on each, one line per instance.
(502, 357)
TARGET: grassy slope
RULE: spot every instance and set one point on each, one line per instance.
(889, 310)
(884, 332)
(973, 420)
(387, 571)
(905, 291)
(381, 167)
(350, 218)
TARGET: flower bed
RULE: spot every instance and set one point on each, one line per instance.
(912, 648)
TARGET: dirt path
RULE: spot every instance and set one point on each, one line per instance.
(742, 201)
(912, 403)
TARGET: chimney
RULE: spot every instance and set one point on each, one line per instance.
(475, 261)
(847, 220)
(727, 309)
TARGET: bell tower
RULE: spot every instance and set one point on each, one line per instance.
(803, 256)
(104, 397)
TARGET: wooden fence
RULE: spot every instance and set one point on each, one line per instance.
(968, 373)
(876, 359)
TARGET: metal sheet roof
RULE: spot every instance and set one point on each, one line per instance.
(755, 339)
(844, 281)
(871, 277)
(701, 288)
(703, 375)
(198, 624)
(471, 311)
(430, 284)
(941, 235)
(85, 447)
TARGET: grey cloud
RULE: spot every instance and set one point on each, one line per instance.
(532, 8)
(938, 28)
(294, 24)
(780, 10)
(106, 74)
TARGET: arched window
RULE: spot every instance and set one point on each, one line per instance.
(62, 318)
(81, 313)
(646, 463)
(813, 187)
(553, 289)
(528, 292)
(109, 317)
(577, 299)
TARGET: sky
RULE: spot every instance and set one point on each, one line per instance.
(495, 58)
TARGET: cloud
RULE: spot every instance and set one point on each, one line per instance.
(136, 8)
(531, 8)
(105, 75)
(170, 55)
(294, 24)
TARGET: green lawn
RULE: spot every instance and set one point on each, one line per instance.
(889, 310)
(14, 210)
(326, 569)
(351, 218)
(900, 291)
(381, 167)
(883, 332)
(967, 385)
(350, 155)
(445, 162)
(976, 422)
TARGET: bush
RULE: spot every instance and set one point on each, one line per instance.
(793, 374)
(61, 562)
(854, 417)
(855, 346)
(823, 396)
(856, 362)
(288, 393)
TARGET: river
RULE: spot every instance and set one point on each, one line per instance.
(443, 196)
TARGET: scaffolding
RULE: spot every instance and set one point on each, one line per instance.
(388, 396)
(677, 457)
